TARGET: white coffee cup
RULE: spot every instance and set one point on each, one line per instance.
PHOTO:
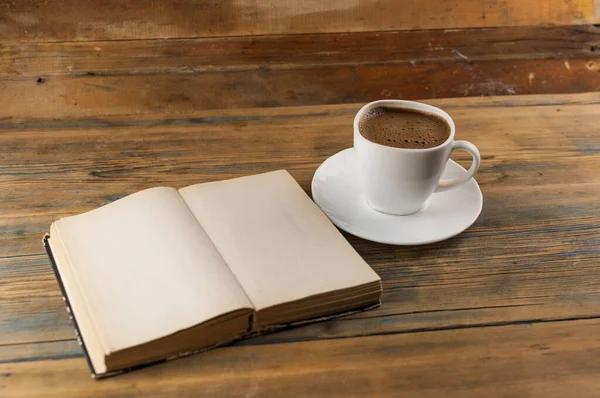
(399, 181)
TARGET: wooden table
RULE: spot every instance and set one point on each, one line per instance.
(510, 307)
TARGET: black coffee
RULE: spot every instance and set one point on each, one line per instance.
(403, 128)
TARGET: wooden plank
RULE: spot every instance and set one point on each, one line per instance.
(58, 80)
(133, 157)
(31, 306)
(181, 94)
(472, 276)
(32, 346)
(57, 349)
(243, 53)
(33, 310)
(142, 76)
(511, 361)
(59, 20)
(217, 116)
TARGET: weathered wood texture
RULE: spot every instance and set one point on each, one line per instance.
(94, 105)
(245, 53)
(547, 360)
(530, 258)
(57, 80)
(61, 20)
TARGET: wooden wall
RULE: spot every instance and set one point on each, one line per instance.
(62, 59)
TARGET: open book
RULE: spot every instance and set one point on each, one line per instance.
(163, 273)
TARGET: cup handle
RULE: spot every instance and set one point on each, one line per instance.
(445, 185)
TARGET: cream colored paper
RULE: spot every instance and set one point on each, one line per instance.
(276, 241)
(146, 268)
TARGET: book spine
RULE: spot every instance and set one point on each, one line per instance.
(65, 298)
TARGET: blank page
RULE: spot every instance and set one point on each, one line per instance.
(147, 268)
(277, 242)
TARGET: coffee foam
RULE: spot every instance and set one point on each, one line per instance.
(404, 128)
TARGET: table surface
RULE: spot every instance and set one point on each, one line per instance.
(511, 307)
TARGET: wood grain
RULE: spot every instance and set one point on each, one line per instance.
(247, 53)
(211, 117)
(58, 80)
(61, 20)
(67, 97)
(108, 158)
(548, 359)
(374, 323)
(102, 99)
(423, 295)
(540, 200)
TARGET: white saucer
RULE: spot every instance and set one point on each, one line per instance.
(336, 190)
